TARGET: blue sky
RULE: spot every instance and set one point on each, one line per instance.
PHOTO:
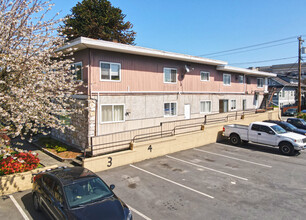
(199, 27)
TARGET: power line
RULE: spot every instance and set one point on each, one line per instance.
(255, 45)
(262, 61)
(253, 49)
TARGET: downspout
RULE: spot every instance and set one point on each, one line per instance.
(98, 115)
(89, 72)
(244, 83)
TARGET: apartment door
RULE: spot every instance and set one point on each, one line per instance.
(223, 105)
(244, 104)
(256, 100)
(187, 111)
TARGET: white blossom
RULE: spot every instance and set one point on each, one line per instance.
(35, 78)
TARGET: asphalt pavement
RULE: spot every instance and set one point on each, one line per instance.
(215, 181)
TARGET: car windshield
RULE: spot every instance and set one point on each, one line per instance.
(86, 191)
(303, 122)
(292, 127)
(278, 129)
(291, 110)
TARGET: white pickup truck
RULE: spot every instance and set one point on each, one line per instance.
(266, 133)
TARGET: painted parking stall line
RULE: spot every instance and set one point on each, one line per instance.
(234, 158)
(139, 213)
(207, 168)
(259, 152)
(25, 217)
(178, 184)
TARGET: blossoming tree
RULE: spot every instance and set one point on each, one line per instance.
(36, 84)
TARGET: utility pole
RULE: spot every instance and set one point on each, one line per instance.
(300, 74)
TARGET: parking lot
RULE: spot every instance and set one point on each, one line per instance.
(215, 181)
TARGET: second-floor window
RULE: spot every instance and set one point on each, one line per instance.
(110, 71)
(240, 79)
(170, 75)
(77, 70)
(112, 113)
(204, 76)
(170, 109)
(259, 82)
(226, 79)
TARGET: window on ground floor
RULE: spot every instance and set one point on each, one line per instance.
(170, 109)
(112, 113)
(205, 106)
(233, 105)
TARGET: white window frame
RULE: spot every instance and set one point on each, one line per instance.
(208, 76)
(242, 79)
(210, 106)
(110, 75)
(170, 76)
(80, 62)
(170, 102)
(230, 79)
(261, 79)
(231, 109)
(108, 122)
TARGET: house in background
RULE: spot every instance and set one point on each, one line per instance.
(131, 87)
(289, 69)
(285, 91)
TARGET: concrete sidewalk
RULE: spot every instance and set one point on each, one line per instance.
(45, 159)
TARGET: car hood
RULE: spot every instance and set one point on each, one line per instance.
(111, 209)
(293, 135)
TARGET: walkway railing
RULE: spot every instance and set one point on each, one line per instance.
(119, 141)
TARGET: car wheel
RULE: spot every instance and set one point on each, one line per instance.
(36, 202)
(286, 148)
(235, 139)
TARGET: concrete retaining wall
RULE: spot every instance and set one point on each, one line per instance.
(163, 146)
(19, 181)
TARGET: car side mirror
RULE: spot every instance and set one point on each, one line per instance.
(271, 132)
(112, 186)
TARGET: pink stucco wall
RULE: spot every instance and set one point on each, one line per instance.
(141, 73)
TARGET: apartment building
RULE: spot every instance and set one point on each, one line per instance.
(131, 87)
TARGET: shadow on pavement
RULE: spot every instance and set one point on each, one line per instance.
(257, 147)
(28, 204)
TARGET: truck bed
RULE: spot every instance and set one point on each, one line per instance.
(241, 130)
(237, 126)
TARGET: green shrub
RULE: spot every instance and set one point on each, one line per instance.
(53, 144)
(301, 115)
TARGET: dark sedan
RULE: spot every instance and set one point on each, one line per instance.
(287, 126)
(76, 193)
(297, 122)
(290, 112)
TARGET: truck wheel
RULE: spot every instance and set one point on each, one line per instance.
(235, 139)
(286, 148)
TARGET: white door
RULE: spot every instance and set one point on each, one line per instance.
(266, 136)
(253, 132)
(256, 100)
(187, 111)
